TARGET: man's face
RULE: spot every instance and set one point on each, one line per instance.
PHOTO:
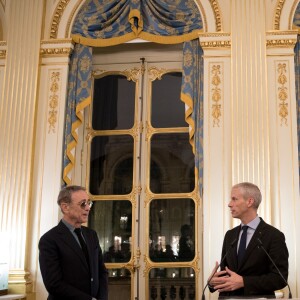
(239, 206)
(75, 213)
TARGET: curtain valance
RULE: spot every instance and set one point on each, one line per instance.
(106, 23)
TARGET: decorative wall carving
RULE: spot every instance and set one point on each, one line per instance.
(216, 94)
(282, 94)
(53, 99)
(2, 49)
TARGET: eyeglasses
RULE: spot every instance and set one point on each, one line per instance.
(84, 203)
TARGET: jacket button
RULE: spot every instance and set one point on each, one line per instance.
(92, 279)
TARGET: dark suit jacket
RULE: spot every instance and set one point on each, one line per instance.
(260, 276)
(64, 269)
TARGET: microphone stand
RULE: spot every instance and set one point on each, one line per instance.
(208, 281)
(262, 247)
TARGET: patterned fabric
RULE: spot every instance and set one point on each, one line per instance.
(79, 91)
(104, 23)
(192, 96)
(297, 83)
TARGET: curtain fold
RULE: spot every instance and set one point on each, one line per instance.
(192, 96)
(101, 23)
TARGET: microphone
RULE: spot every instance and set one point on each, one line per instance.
(223, 258)
(262, 247)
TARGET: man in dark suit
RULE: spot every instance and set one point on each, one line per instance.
(253, 274)
(70, 257)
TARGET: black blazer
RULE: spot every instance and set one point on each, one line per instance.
(64, 269)
(260, 276)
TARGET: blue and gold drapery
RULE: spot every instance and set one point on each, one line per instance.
(192, 96)
(78, 97)
(101, 23)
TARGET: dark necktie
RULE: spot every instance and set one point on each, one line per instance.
(82, 244)
(243, 243)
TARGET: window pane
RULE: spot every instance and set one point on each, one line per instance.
(167, 108)
(112, 221)
(113, 103)
(171, 229)
(172, 283)
(172, 164)
(111, 166)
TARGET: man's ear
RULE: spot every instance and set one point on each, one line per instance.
(250, 202)
(64, 207)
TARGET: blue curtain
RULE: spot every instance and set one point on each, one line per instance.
(192, 96)
(101, 23)
(78, 97)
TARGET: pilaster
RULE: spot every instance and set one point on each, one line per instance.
(47, 173)
(217, 144)
(19, 74)
(283, 143)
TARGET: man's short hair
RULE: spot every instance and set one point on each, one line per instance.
(250, 190)
(65, 195)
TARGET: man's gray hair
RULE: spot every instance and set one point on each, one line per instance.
(65, 195)
(250, 190)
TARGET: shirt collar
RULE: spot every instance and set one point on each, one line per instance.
(69, 226)
(254, 223)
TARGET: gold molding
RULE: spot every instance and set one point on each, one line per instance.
(57, 41)
(131, 74)
(283, 43)
(282, 91)
(277, 16)
(285, 32)
(156, 73)
(3, 50)
(2, 54)
(216, 44)
(47, 52)
(216, 9)
(60, 8)
(53, 100)
(216, 95)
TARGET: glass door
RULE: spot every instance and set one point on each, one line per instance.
(138, 167)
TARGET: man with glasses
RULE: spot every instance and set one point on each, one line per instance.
(71, 260)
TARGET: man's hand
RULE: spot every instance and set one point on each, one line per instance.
(214, 276)
(231, 282)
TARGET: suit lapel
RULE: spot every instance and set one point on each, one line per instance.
(253, 244)
(67, 238)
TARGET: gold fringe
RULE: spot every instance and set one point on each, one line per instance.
(79, 108)
(188, 117)
(176, 39)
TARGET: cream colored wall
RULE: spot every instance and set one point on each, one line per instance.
(248, 141)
